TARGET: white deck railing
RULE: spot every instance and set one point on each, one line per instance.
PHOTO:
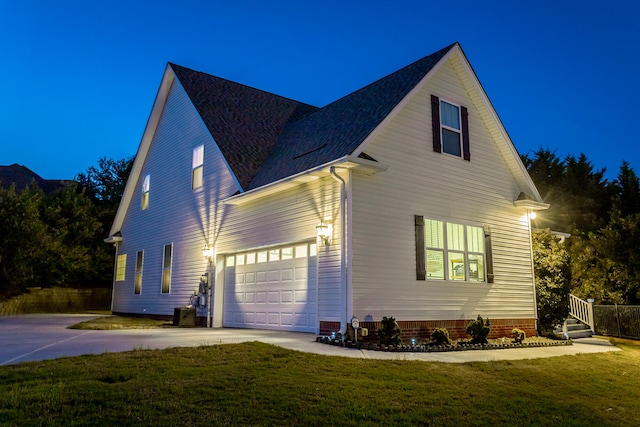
(582, 310)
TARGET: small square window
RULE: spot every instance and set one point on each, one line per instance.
(231, 261)
(274, 255)
(287, 253)
(251, 258)
(262, 256)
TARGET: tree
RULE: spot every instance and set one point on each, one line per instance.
(106, 182)
(552, 271)
(627, 191)
(23, 242)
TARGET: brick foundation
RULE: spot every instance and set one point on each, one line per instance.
(422, 329)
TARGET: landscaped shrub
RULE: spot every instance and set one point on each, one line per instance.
(518, 335)
(440, 336)
(479, 330)
(389, 332)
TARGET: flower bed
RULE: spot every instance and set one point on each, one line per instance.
(495, 344)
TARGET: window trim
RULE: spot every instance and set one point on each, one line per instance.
(137, 278)
(421, 251)
(164, 278)
(437, 126)
(146, 186)
(197, 166)
(121, 267)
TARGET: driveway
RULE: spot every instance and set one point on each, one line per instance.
(44, 336)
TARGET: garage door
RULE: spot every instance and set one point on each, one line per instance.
(272, 289)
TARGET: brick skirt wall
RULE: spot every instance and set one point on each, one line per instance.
(422, 329)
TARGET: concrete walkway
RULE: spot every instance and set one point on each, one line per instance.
(44, 336)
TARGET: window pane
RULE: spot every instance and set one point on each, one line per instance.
(240, 259)
(475, 239)
(146, 183)
(120, 267)
(198, 156)
(262, 256)
(435, 264)
(449, 115)
(167, 256)
(451, 142)
(231, 261)
(251, 258)
(196, 177)
(274, 255)
(144, 203)
(287, 253)
(166, 281)
(456, 266)
(455, 237)
(476, 267)
(434, 234)
(301, 251)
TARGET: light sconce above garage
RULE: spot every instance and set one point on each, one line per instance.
(324, 233)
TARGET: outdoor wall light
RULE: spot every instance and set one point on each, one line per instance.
(324, 233)
(207, 252)
(532, 215)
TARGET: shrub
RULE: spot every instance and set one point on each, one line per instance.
(479, 330)
(440, 336)
(518, 335)
(389, 332)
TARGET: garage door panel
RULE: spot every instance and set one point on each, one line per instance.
(286, 297)
(278, 291)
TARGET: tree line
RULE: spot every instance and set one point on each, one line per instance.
(601, 258)
(56, 239)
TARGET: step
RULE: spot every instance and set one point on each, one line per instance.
(577, 327)
(584, 333)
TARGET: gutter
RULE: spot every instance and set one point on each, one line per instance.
(343, 245)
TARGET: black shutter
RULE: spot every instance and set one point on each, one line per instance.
(466, 153)
(435, 123)
(421, 271)
(489, 253)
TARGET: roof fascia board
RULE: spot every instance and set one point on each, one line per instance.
(494, 116)
(365, 166)
(215, 144)
(143, 149)
(403, 102)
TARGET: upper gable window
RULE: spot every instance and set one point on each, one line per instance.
(451, 129)
(197, 166)
(144, 203)
(450, 126)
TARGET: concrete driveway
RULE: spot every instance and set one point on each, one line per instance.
(44, 336)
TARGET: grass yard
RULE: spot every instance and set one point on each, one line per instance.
(260, 384)
(120, 322)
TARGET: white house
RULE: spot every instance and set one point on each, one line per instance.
(405, 198)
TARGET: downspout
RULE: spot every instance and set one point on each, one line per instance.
(533, 269)
(343, 245)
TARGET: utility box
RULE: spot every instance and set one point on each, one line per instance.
(184, 316)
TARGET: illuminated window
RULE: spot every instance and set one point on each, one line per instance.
(451, 129)
(121, 264)
(196, 166)
(454, 251)
(287, 253)
(137, 282)
(166, 268)
(144, 204)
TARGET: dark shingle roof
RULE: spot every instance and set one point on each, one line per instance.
(339, 128)
(244, 122)
(265, 137)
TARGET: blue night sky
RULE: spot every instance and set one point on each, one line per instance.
(79, 77)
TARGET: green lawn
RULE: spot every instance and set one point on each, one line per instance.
(121, 322)
(260, 384)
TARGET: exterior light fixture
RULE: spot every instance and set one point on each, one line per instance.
(207, 252)
(324, 233)
(532, 215)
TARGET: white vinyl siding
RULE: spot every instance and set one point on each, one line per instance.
(422, 182)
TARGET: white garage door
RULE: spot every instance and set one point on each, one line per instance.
(272, 289)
